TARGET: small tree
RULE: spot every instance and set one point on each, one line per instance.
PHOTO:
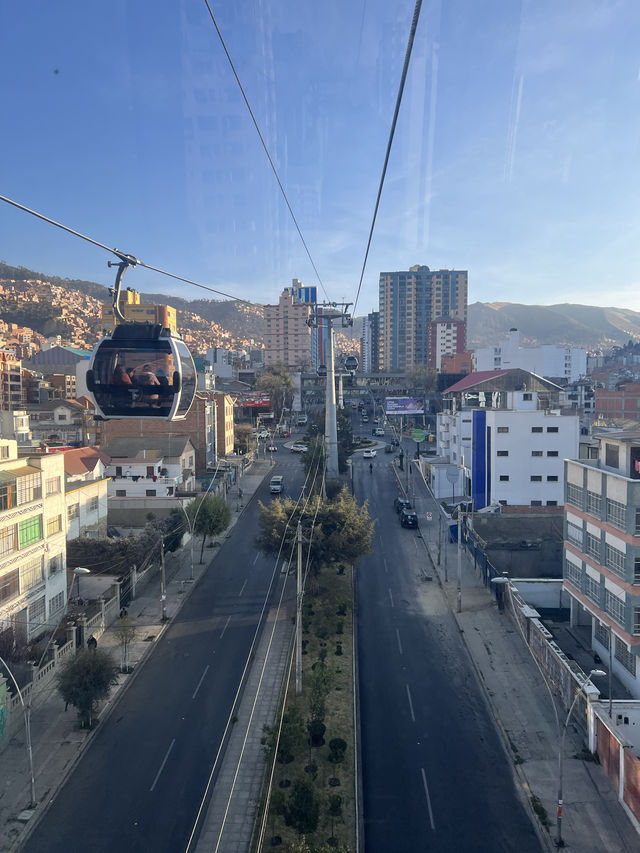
(125, 633)
(86, 680)
(334, 809)
(338, 747)
(209, 516)
(303, 809)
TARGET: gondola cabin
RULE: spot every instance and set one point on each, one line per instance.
(142, 370)
(351, 362)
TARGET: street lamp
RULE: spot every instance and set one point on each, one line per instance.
(26, 709)
(579, 689)
(80, 571)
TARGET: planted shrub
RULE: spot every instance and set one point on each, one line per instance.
(338, 748)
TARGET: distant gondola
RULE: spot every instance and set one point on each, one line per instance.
(351, 362)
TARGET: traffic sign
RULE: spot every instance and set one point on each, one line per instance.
(429, 516)
(418, 435)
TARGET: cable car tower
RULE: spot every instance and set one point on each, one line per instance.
(332, 312)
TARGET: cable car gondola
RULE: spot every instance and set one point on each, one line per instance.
(140, 370)
(351, 362)
(322, 370)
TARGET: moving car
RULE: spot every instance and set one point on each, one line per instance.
(276, 485)
(401, 503)
(299, 448)
(378, 431)
(388, 448)
(369, 454)
(272, 448)
(365, 419)
(408, 518)
(263, 434)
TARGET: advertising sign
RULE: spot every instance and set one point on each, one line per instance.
(404, 406)
(257, 403)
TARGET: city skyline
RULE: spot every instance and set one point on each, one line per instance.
(514, 156)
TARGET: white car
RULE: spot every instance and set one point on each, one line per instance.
(369, 454)
(263, 434)
(299, 448)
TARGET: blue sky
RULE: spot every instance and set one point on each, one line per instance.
(516, 154)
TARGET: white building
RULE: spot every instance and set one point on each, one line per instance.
(15, 424)
(221, 360)
(509, 447)
(151, 467)
(33, 522)
(602, 551)
(85, 492)
(569, 363)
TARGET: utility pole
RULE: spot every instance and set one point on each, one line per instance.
(163, 583)
(299, 615)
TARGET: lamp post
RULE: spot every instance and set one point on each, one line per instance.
(579, 689)
(26, 709)
(79, 570)
(192, 524)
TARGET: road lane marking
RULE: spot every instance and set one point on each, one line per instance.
(255, 560)
(385, 564)
(201, 680)
(426, 791)
(164, 761)
(413, 716)
(226, 625)
(399, 643)
(243, 586)
(391, 597)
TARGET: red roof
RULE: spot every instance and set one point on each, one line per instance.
(475, 379)
(82, 460)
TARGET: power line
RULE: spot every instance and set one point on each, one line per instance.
(412, 33)
(264, 144)
(122, 255)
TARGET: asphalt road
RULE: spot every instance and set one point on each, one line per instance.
(435, 776)
(140, 783)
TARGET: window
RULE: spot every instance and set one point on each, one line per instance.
(30, 531)
(636, 570)
(52, 485)
(602, 634)
(150, 470)
(56, 604)
(615, 560)
(637, 527)
(503, 429)
(616, 514)
(527, 396)
(93, 504)
(536, 503)
(573, 574)
(614, 606)
(552, 478)
(37, 612)
(504, 478)
(7, 496)
(118, 470)
(32, 574)
(55, 564)
(536, 453)
(29, 488)
(8, 539)
(552, 429)
(121, 493)
(536, 429)
(4, 451)
(54, 525)
(552, 503)
(625, 656)
(73, 511)
(502, 453)
(552, 452)
(592, 589)
(611, 455)
(594, 503)
(636, 620)
(574, 535)
(150, 493)
(574, 495)
(593, 546)
(536, 478)
(9, 585)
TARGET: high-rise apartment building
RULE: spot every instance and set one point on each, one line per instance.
(412, 299)
(370, 343)
(602, 551)
(287, 337)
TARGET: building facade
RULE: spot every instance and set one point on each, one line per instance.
(602, 551)
(11, 390)
(409, 301)
(287, 336)
(370, 343)
(33, 523)
(85, 490)
(569, 363)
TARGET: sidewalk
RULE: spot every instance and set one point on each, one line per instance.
(593, 819)
(57, 742)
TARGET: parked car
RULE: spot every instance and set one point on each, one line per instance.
(408, 518)
(369, 453)
(401, 503)
(299, 448)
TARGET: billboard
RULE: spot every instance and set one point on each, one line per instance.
(256, 403)
(404, 406)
